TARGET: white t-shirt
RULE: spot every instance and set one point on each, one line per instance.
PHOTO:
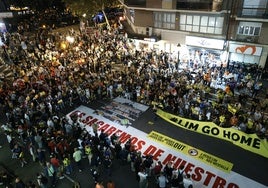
(187, 182)
(142, 176)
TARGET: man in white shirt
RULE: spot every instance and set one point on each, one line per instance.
(143, 179)
(187, 181)
(77, 156)
(162, 181)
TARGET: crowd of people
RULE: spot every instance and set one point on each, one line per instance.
(53, 73)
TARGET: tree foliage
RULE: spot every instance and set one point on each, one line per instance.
(88, 7)
(79, 7)
(38, 4)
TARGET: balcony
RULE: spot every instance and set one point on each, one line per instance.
(203, 5)
(247, 38)
(135, 3)
(257, 13)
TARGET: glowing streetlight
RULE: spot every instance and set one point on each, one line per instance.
(63, 45)
(70, 39)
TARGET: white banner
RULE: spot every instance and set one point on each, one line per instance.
(203, 175)
(205, 42)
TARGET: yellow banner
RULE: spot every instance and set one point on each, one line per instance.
(250, 142)
(191, 151)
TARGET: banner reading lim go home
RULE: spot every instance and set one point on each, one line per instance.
(214, 173)
(250, 142)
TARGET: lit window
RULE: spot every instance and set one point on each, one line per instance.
(204, 21)
(251, 30)
(257, 31)
(196, 20)
(164, 20)
(211, 22)
(183, 19)
(202, 24)
(246, 30)
(189, 20)
(241, 30)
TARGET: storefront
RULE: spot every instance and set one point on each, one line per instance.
(205, 51)
(247, 53)
(147, 44)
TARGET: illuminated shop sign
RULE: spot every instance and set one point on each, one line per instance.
(205, 42)
(245, 49)
(6, 15)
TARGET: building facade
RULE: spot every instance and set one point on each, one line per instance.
(222, 31)
(4, 13)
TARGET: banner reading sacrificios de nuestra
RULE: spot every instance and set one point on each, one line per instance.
(250, 142)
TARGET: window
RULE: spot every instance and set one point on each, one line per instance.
(164, 20)
(211, 22)
(189, 20)
(254, 8)
(204, 21)
(202, 24)
(257, 31)
(249, 28)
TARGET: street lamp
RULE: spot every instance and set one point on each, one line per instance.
(179, 46)
(70, 39)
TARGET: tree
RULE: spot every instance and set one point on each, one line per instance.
(88, 7)
(38, 4)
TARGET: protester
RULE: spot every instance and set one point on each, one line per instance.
(77, 156)
(110, 184)
(143, 181)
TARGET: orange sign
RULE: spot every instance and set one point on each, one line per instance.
(246, 49)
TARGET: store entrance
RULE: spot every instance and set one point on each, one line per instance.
(206, 58)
